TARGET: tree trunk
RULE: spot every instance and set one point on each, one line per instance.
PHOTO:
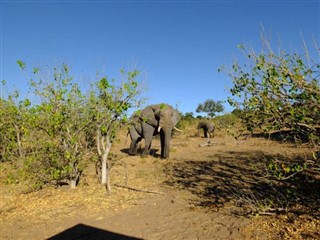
(103, 147)
(73, 183)
(105, 167)
(74, 179)
(108, 186)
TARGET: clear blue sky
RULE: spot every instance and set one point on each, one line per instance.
(178, 45)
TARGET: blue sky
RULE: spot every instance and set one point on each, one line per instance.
(177, 45)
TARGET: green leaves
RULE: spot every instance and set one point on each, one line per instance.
(274, 90)
(35, 70)
(240, 46)
(283, 170)
(112, 101)
(21, 64)
(48, 138)
(26, 103)
(103, 84)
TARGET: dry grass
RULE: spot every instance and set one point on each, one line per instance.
(228, 174)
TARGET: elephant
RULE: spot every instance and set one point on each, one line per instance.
(208, 128)
(153, 120)
(135, 132)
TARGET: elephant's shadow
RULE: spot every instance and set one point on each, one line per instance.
(153, 152)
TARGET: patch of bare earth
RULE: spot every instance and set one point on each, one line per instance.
(194, 195)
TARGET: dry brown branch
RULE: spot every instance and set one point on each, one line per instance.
(138, 189)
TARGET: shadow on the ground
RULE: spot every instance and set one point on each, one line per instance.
(283, 136)
(82, 231)
(153, 152)
(243, 178)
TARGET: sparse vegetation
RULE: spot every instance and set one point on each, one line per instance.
(270, 91)
(277, 90)
(52, 138)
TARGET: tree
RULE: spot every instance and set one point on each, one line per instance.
(45, 139)
(60, 118)
(108, 105)
(277, 91)
(188, 116)
(51, 139)
(210, 107)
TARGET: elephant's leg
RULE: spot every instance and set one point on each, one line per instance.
(133, 150)
(133, 147)
(162, 143)
(148, 132)
(148, 140)
(212, 134)
(135, 138)
(209, 134)
(205, 133)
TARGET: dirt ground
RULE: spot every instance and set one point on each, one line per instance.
(193, 195)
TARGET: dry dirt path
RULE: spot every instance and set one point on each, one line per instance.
(158, 217)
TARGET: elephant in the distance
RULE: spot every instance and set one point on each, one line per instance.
(153, 120)
(208, 128)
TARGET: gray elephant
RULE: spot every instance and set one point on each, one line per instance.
(136, 133)
(153, 120)
(208, 128)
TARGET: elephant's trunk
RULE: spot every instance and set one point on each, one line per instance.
(165, 136)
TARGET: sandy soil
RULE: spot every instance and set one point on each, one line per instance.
(191, 196)
(158, 217)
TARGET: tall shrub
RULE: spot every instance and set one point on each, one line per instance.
(109, 104)
(278, 90)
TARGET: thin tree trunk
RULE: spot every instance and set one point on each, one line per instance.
(105, 171)
(75, 178)
(105, 165)
(103, 147)
(108, 185)
(73, 183)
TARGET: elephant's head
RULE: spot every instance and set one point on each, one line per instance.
(162, 118)
(167, 118)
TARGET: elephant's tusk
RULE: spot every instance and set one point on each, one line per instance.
(177, 129)
(159, 128)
